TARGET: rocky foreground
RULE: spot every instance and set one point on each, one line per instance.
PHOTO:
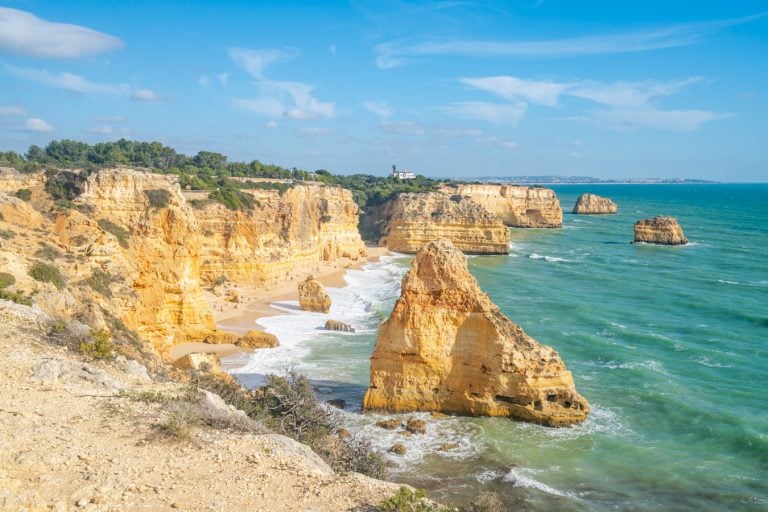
(446, 347)
(78, 435)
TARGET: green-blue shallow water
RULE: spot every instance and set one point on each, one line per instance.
(669, 345)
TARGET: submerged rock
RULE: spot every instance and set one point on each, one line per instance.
(660, 230)
(313, 297)
(335, 325)
(257, 339)
(590, 204)
(446, 347)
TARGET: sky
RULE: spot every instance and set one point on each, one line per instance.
(446, 88)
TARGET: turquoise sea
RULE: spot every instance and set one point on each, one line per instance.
(669, 345)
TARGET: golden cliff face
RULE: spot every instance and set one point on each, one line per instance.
(517, 206)
(411, 220)
(446, 347)
(156, 256)
(660, 230)
(591, 204)
(296, 230)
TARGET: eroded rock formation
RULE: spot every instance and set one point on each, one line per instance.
(336, 325)
(446, 347)
(517, 206)
(313, 297)
(257, 339)
(594, 204)
(660, 230)
(411, 220)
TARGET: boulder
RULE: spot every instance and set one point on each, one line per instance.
(199, 362)
(397, 449)
(389, 424)
(446, 347)
(337, 403)
(660, 230)
(313, 297)
(335, 325)
(257, 339)
(416, 426)
(590, 204)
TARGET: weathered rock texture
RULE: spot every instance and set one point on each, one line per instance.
(594, 204)
(313, 297)
(257, 339)
(660, 230)
(151, 262)
(517, 206)
(446, 347)
(413, 219)
(336, 325)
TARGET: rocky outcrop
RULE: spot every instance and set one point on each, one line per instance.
(313, 297)
(257, 339)
(588, 204)
(411, 220)
(199, 362)
(660, 230)
(517, 206)
(336, 325)
(446, 347)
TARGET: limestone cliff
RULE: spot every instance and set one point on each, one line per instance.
(517, 206)
(134, 251)
(589, 204)
(660, 230)
(411, 220)
(446, 347)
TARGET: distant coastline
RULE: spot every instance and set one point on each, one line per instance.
(585, 180)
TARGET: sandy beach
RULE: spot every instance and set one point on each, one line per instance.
(255, 302)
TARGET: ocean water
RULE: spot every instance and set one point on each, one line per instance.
(669, 345)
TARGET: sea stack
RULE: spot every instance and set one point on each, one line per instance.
(660, 230)
(446, 347)
(313, 297)
(591, 204)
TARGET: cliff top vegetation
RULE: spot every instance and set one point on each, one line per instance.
(207, 170)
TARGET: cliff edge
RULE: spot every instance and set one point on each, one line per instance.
(446, 347)
(516, 205)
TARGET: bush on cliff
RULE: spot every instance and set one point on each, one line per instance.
(24, 194)
(100, 282)
(64, 185)
(158, 198)
(98, 344)
(48, 252)
(46, 273)
(122, 234)
(6, 280)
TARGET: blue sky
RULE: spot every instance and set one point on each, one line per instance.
(451, 88)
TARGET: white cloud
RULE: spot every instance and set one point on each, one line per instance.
(672, 120)
(510, 87)
(393, 54)
(497, 113)
(35, 124)
(629, 94)
(109, 119)
(67, 81)
(379, 108)
(402, 127)
(278, 98)
(23, 33)
(12, 110)
(255, 61)
(270, 124)
(203, 81)
(223, 78)
(146, 95)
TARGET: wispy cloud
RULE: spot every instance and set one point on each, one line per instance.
(672, 120)
(313, 132)
(379, 108)
(277, 98)
(23, 33)
(629, 94)
(496, 141)
(402, 127)
(37, 125)
(67, 81)
(203, 81)
(497, 113)
(12, 110)
(393, 54)
(146, 95)
(510, 87)
(109, 119)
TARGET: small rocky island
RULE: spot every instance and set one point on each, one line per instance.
(592, 204)
(446, 347)
(659, 230)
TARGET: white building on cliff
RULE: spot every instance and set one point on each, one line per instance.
(403, 175)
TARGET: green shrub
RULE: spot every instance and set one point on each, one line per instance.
(24, 194)
(406, 500)
(48, 252)
(7, 234)
(98, 344)
(46, 273)
(6, 280)
(100, 282)
(122, 234)
(16, 296)
(233, 199)
(158, 198)
(64, 185)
